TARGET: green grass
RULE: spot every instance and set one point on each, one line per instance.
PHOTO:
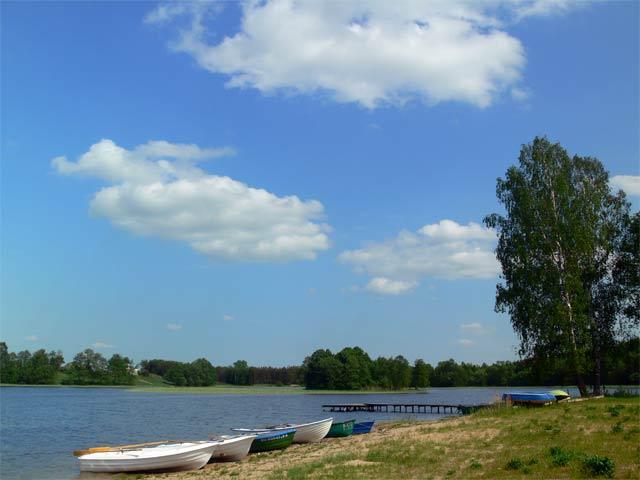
(225, 389)
(155, 384)
(574, 440)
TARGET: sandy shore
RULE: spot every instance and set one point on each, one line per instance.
(261, 465)
(600, 437)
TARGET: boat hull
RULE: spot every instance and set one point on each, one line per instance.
(305, 432)
(165, 457)
(341, 429)
(272, 441)
(361, 428)
(232, 449)
(528, 398)
(560, 394)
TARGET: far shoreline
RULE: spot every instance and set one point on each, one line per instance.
(225, 389)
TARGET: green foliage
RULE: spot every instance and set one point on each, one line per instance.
(91, 368)
(560, 457)
(39, 368)
(420, 374)
(617, 428)
(199, 373)
(615, 410)
(514, 464)
(596, 466)
(569, 256)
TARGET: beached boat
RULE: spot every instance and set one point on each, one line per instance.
(528, 398)
(341, 429)
(231, 448)
(560, 394)
(362, 428)
(167, 456)
(305, 432)
(278, 440)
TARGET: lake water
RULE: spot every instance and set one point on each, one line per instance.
(41, 426)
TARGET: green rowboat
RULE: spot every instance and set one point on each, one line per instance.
(266, 442)
(341, 429)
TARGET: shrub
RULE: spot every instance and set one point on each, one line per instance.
(615, 410)
(560, 457)
(514, 464)
(475, 464)
(599, 466)
(617, 428)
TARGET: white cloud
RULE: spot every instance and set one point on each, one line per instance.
(227, 318)
(629, 183)
(465, 342)
(158, 190)
(473, 328)
(174, 327)
(443, 250)
(102, 345)
(31, 338)
(386, 286)
(373, 53)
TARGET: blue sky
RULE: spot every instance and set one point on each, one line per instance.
(236, 181)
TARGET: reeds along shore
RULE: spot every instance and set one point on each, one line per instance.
(595, 438)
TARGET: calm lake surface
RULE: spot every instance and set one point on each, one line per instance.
(41, 426)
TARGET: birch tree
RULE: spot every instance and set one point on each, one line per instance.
(558, 245)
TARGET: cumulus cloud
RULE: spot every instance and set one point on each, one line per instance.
(102, 345)
(465, 342)
(227, 318)
(372, 53)
(443, 250)
(31, 338)
(386, 286)
(629, 183)
(157, 189)
(174, 327)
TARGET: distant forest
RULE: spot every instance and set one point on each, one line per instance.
(349, 369)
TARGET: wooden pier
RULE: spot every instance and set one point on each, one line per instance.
(402, 408)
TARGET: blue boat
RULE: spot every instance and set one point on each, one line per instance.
(362, 427)
(528, 398)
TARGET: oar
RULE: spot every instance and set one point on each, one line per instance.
(117, 448)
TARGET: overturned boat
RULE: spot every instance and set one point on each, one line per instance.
(164, 456)
(231, 448)
(528, 398)
(265, 442)
(305, 432)
(341, 429)
(361, 428)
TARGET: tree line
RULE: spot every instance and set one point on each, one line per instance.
(199, 373)
(42, 368)
(353, 369)
(349, 369)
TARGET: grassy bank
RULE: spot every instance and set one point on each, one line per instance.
(155, 384)
(259, 390)
(596, 438)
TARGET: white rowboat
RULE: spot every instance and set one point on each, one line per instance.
(305, 432)
(170, 456)
(231, 448)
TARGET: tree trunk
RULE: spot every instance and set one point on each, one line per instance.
(560, 262)
(597, 382)
(597, 374)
